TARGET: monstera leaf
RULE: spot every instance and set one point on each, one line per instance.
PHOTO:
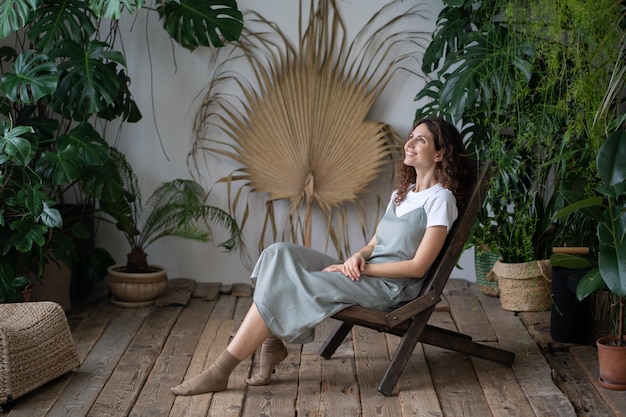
(89, 79)
(112, 9)
(61, 19)
(194, 23)
(35, 77)
(14, 14)
(81, 147)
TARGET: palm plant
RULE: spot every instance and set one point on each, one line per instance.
(175, 209)
(300, 133)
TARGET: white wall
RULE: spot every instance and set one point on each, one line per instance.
(169, 88)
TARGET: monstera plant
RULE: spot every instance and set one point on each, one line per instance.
(62, 80)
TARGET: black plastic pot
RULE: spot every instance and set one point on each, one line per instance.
(569, 319)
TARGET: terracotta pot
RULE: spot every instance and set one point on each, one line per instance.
(136, 290)
(612, 364)
(26, 292)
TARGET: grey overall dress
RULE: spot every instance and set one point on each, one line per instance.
(293, 295)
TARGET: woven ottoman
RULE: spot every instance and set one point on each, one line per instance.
(36, 346)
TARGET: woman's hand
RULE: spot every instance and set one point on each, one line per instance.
(351, 268)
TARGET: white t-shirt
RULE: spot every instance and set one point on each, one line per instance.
(438, 202)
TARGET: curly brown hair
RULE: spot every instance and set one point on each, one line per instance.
(452, 172)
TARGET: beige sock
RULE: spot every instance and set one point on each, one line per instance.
(273, 351)
(213, 379)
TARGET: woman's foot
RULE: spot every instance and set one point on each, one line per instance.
(273, 351)
(213, 379)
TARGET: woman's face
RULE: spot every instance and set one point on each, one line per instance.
(419, 149)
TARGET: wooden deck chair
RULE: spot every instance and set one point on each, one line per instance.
(410, 320)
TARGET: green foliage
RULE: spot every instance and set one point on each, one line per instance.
(608, 208)
(26, 216)
(183, 20)
(527, 81)
(176, 208)
(60, 84)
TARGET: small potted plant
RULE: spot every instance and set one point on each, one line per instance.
(608, 208)
(175, 208)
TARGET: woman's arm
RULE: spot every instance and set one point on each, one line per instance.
(426, 253)
(429, 248)
(354, 265)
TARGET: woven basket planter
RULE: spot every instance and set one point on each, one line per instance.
(136, 289)
(36, 346)
(524, 286)
(484, 261)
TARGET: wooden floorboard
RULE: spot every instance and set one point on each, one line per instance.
(130, 357)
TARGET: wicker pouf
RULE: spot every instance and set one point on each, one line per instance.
(36, 346)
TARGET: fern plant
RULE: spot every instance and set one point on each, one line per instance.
(176, 208)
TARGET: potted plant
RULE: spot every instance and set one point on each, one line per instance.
(63, 78)
(608, 208)
(524, 80)
(176, 208)
(483, 239)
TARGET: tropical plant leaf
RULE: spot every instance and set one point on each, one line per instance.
(61, 19)
(569, 261)
(612, 265)
(91, 148)
(172, 210)
(50, 216)
(80, 147)
(194, 23)
(89, 80)
(464, 74)
(35, 77)
(112, 9)
(123, 104)
(590, 283)
(14, 145)
(453, 21)
(28, 234)
(15, 14)
(610, 161)
(103, 182)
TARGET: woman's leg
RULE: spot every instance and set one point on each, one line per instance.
(250, 335)
(273, 352)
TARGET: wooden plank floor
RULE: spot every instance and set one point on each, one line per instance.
(130, 357)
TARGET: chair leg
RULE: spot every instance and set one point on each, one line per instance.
(401, 357)
(461, 343)
(334, 339)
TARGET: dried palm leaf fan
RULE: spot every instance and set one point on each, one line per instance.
(298, 128)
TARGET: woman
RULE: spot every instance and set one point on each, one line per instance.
(297, 288)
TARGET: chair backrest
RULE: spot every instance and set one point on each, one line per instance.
(436, 279)
(453, 247)
(438, 275)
